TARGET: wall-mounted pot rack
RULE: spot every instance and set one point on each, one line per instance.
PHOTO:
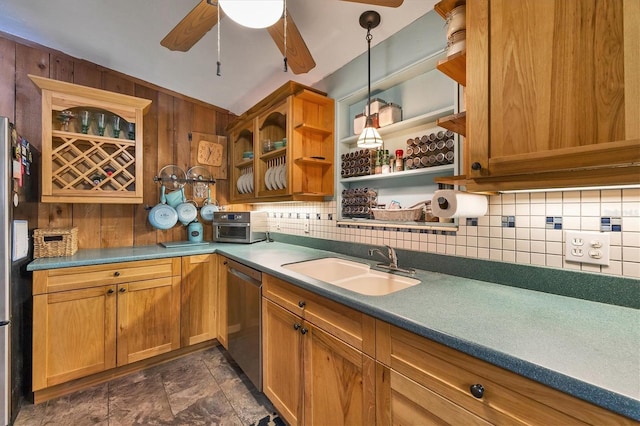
(191, 181)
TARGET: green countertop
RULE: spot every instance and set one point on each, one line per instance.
(587, 349)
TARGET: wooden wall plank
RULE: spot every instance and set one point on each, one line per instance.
(116, 222)
(183, 124)
(165, 150)
(144, 233)
(28, 106)
(8, 79)
(222, 185)
(87, 74)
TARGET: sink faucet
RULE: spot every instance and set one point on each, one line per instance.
(392, 257)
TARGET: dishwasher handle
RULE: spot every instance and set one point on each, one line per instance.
(245, 273)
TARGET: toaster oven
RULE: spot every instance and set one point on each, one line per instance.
(239, 227)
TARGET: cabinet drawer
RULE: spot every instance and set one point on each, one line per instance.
(402, 401)
(349, 325)
(62, 279)
(507, 398)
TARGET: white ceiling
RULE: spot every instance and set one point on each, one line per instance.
(125, 35)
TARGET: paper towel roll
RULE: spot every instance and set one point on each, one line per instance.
(450, 203)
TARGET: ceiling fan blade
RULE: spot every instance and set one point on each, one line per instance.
(299, 58)
(387, 3)
(192, 27)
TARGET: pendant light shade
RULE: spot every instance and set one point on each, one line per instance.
(253, 13)
(369, 138)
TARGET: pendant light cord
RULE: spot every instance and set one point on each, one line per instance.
(369, 37)
(285, 35)
(218, 63)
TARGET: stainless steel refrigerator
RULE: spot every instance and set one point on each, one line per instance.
(18, 204)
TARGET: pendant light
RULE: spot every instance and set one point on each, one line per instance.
(253, 13)
(369, 138)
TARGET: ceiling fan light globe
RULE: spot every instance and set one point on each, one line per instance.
(369, 138)
(253, 13)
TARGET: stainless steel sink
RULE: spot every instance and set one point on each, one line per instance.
(354, 276)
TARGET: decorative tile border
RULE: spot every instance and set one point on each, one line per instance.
(553, 222)
(613, 224)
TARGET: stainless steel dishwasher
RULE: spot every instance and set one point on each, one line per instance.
(244, 292)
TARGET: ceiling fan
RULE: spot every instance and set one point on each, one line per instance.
(204, 16)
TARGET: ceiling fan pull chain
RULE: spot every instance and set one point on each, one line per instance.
(285, 36)
(218, 63)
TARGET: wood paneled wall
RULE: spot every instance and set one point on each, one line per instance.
(166, 127)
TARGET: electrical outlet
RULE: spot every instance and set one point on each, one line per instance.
(307, 226)
(587, 247)
(277, 225)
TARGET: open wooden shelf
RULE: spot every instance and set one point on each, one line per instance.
(457, 123)
(308, 129)
(455, 67)
(314, 161)
(443, 7)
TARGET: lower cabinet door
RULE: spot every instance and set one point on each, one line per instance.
(148, 318)
(74, 334)
(339, 381)
(282, 361)
(199, 289)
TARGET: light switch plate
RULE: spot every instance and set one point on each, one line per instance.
(587, 247)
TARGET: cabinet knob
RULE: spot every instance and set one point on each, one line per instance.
(477, 390)
(122, 289)
(116, 274)
(225, 262)
(302, 303)
(296, 326)
(304, 330)
(476, 166)
(110, 291)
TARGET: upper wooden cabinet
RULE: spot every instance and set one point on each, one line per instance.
(302, 168)
(90, 161)
(552, 93)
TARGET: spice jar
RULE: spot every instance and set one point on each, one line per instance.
(399, 163)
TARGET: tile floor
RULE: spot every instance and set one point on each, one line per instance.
(200, 389)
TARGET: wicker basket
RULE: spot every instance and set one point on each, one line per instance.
(55, 242)
(410, 214)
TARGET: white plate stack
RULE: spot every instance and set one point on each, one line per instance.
(276, 175)
(245, 181)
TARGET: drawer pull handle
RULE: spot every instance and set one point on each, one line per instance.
(302, 303)
(110, 291)
(296, 326)
(116, 274)
(477, 390)
(304, 330)
(122, 289)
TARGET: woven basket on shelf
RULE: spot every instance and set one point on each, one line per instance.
(410, 214)
(55, 242)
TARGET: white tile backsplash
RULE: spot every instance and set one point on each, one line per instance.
(530, 242)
